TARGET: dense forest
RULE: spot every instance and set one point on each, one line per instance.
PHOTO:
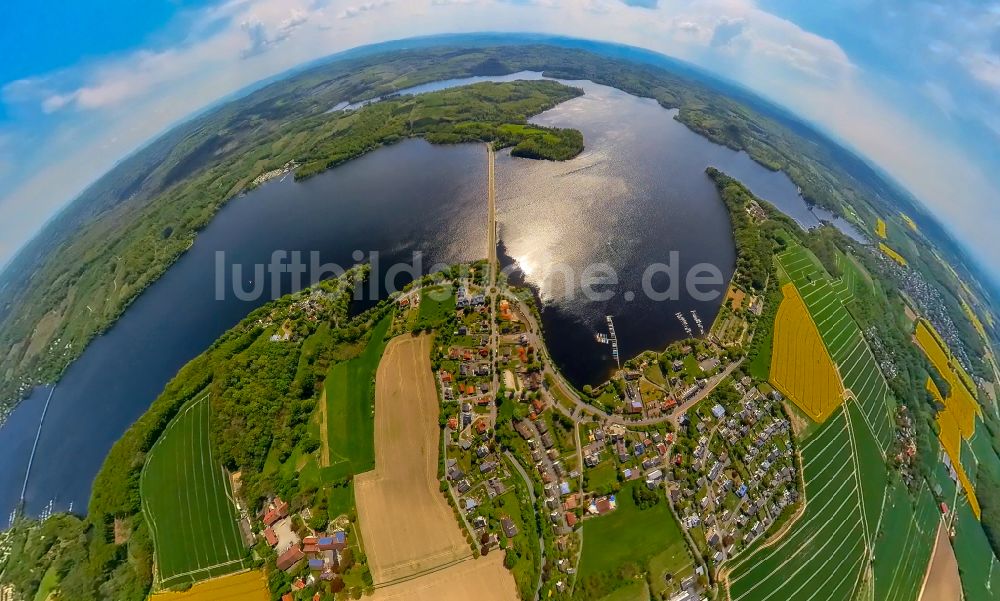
(483, 112)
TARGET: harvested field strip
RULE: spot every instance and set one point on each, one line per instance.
(247, 586)
(188, 505)
(407, 525)
(485, 579)
(801, 368)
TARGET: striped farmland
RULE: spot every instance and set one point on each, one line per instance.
(859, 370)
(188, 505)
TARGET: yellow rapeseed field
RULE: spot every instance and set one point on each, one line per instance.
(958, 418)
(950, 436)
(880, 229)
(895, 256)
(961, 400)
(801, 367)
(247, 586)
(909, 222)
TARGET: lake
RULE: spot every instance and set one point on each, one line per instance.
(637, 193)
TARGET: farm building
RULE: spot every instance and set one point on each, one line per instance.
(290, 559)
(275, 512)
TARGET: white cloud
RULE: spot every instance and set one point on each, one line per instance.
(726, 30)
(101, 111)
(353, 11)
(984, 67)
(940, 96)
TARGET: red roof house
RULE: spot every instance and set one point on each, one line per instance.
(289, 558)
(270, 537)
(277, 512)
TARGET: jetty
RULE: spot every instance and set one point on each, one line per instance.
(613, 337)
(684, 323)
(697, 322)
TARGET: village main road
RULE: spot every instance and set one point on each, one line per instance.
(491, 219)
(581, 407)
(492, 261)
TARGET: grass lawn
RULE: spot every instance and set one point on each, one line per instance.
(433, 309)
(341, 500)
(655, 374)
(636, 591)
(350, 419)
(602, 477)
(186, 502)
(760, 366)
(674, 561)
(692, 370)
(636, 536)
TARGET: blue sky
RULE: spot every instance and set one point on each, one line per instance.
(912, 85)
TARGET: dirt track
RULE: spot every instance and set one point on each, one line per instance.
(484, 579)
(942, 582)
(407, 525)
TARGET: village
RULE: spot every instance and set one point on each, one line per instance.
(528, 460)
(686, 425)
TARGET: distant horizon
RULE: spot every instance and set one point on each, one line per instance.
(916, 91)
(980, 269)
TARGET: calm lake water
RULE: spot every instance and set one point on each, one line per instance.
(637, 193)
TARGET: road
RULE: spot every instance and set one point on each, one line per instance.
(534, 504)
(581, 407)
(491, 258)
(491, 219)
